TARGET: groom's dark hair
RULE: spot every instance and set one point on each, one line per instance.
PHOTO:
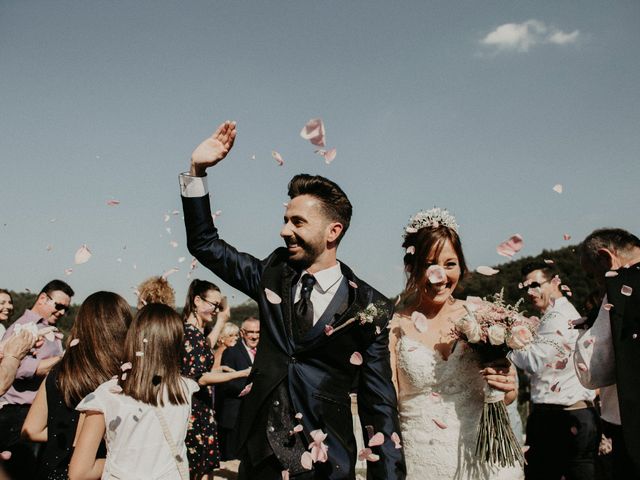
(335, 204)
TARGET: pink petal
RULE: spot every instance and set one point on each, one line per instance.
(511, 246)
(439, 423)
(368, 455)
(611, 273)
(273, 297)
(297, 428)
(126, 366)
(607, 306)
(298, 416)
(626, 290)
(74, 342)
(306, 460)
(328, 330)
(525, 448)
(566, 236)
(113, 203)
(574, 430)
(395, 438)
(139, 354)
(420, 321)
(411, 250)
(245, 390)
(356, 358)
(488, 271)
(318, 436)
(376, 440)
(564, 288)
(173, 243)
(549, 262)
(329, 155)
(314, 132)
(378, 330)
(6, 455)
(68, 271)
(124, 376)
(353, 284)
(557, 188)
(436, 274)
(216, 214)
(82, 255)
(278, 158)
(582, 366)
(285, 473)
(171, 271)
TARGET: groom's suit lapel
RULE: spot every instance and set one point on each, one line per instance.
(278, 280)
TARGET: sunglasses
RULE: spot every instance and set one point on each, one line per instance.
(534, 284)
(58, 306)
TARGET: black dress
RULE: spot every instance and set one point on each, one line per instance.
(62, 421)
(202, 435)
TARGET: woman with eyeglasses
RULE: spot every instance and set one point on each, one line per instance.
(204, 305)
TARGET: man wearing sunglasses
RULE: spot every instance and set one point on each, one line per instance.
(51, 304)
(563, 429)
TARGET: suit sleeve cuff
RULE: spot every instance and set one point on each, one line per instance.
(193, 186)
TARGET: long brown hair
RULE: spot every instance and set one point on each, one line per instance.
(99, 328)
(153, 347)
(197, 288)
(427, 241)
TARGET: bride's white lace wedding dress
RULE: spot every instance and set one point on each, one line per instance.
(440, 403)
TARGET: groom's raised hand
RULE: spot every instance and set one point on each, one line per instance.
(213, 149)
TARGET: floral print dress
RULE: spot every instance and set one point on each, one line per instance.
(202, 435)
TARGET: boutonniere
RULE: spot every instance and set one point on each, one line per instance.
(368, 315)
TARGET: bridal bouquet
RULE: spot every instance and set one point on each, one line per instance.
(493, 329)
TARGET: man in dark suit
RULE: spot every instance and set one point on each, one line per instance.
(322, 331)
(238, 357)
(609, 352)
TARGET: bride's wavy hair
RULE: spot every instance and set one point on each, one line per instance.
(426, 241)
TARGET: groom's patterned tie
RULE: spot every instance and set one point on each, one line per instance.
(303, 308)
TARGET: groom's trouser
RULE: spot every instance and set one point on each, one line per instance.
(562, 443)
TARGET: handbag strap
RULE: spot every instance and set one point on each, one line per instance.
(181, 463)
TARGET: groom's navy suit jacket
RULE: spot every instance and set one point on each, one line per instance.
(316, 371)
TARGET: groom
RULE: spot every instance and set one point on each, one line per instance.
(323, 332)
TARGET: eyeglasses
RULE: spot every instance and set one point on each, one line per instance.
(534, 284)
(254, 332)
(58, 306)
(217, 306)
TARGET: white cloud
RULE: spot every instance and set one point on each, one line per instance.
(520, 37)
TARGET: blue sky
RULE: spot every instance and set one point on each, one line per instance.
(479, 107)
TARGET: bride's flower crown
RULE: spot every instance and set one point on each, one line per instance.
(431, 218)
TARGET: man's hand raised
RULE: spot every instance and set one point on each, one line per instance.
(213, 149)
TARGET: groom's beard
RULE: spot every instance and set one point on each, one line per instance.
(304, 259)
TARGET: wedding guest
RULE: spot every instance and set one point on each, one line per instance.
(204, 304)
(563, 429)
(608, 354)
(156, 290)
(12, 350)
(440, 382)
(6, 309)
(228, 338)
(51, 304)
(94, 355)
(144, 412)
(238, 357)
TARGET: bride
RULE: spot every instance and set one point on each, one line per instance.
(439, 382)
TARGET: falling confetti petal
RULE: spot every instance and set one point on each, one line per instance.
(356, 358)
(173, 243)
(139, 354)
(297, 429)
(548, 261)
(439, 423)
(113, 203)
(6, 455)
(566, 236)
(181, 259)
(82, 255)
(376, 440)
(607, 306)
(278, 158)
(124, 376)
(273, 297)
(353, 284)
(420, 321)
(611, 273)
(166, 274)
(306, 460)
(285, 474)
(68, 271)
(49, 248)
(626, 290)
(510, 247)
(411, 250)
(216, 214)
(167, 217)
(245, 390)
(368, 455)
(565, 288)
(558, 188)
(574, 430)
(329, 155)
(488, 271)
(314, 132)
(328, 330)
(74, 342)
(436, 274)
(126, 366)
(395, 438)
(298, 416)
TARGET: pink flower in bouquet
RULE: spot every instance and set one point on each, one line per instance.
(496, 334)
(470, 328)
(520, 337)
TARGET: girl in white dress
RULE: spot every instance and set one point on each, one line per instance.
(143, 413)
(440, 383)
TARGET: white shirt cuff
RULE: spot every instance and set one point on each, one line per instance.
(193, 186)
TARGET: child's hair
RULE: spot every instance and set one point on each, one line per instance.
(97, 335)
(153, 347)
